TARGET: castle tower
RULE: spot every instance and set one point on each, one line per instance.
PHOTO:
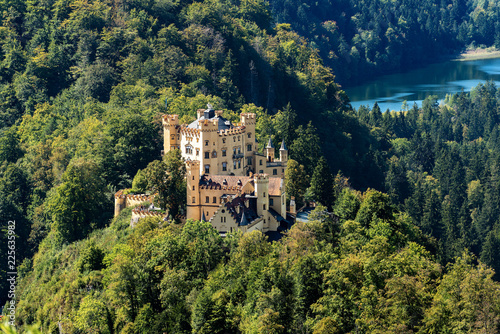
(171, 138)
(119, 202)
(208, 136)
(248, 120)
(261, 182)
(270, 150)
(193, 189)
(283, 152)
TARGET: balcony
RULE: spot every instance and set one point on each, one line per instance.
(238, 156)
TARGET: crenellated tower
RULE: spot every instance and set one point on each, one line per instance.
(171, 136)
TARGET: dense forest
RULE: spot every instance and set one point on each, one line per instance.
(83, 85)
(360, 39)
(442, 169)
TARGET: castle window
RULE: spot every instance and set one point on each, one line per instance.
(249, 135)
(207, 199)
(206, 142)
(263, 206)
(271, 201)
(194, 199)
(207, 155)
(238, 138)
(193, 187)
(282, 170)
(223, 153)
(239, 150)
(224, 166)
(239, 163)
(223, 140)
(214, 200)
(189, 149)
(234, 139)
(234, 164)
(249, 147)
(178, 137)
(214, 154)
(207, 169)
(221, 219)
(173, 137)
(197, 151)
(261, 171)
(193, 177)
(260, 162)
(249, 161)
(275, 171)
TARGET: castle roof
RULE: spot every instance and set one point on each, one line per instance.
(274, 186)
(226, 180)
(283, 146)
(243, 209)
(270, 143)
(209, 114)
(275, 183)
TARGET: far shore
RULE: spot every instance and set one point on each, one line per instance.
(477, 54)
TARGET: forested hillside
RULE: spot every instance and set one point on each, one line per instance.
(364, 273)
(361, 38)
(82, 87)
(442, 169)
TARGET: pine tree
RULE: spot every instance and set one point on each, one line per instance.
(322, 184)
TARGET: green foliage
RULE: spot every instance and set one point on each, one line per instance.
(296, 181)
(140, 182)
(79, 203)
(166, 178)
(91, 258)
(82, 87)
(322, 184)
(359, 44)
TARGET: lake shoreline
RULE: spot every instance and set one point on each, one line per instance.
(478, 54)
(440, 78)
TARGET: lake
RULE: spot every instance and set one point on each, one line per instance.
(414, 86)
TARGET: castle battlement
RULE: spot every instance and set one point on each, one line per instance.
(170, 119)
(261, 177)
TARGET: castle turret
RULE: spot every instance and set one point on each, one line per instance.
(193, 189)
(270, 150)
(261, 182)
(249, 146)
(119, 202)
(283, 152)
(171, 137)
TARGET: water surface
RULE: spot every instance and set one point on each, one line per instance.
(414, 86)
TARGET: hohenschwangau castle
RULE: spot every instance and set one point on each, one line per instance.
(229, 183)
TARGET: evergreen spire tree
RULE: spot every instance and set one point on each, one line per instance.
(322, 184)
